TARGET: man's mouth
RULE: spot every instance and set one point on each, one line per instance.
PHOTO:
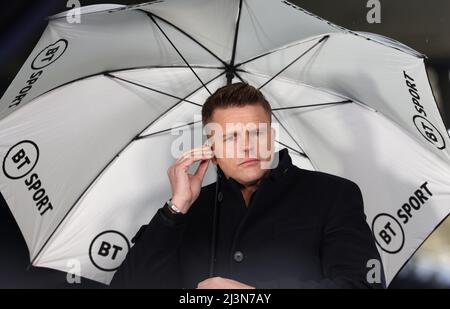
(249, 162)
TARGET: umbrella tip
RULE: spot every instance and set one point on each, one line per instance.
(325, 37)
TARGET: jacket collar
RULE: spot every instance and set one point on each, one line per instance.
(280, 166)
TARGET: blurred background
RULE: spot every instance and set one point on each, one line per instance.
(421, 24)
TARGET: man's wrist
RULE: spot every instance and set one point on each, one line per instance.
(171, 217)
(172, 207)
(178, 205)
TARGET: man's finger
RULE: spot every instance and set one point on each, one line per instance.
(203, 284)
(193, 158)
(201, 169)
(189, 160)
(194, 152)
(203, 148)
(197, 155)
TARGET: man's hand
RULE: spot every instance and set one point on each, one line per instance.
(222, 283)
(186, 187)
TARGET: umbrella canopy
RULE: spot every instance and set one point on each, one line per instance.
(85, 127)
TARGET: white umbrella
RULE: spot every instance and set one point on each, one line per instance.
(85, 137)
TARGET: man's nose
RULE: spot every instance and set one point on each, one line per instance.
(247, 143)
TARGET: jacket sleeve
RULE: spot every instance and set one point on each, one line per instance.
(153, 260)
(346, 248)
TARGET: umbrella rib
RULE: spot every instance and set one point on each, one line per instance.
(293, 149)
(120, 70)
(175, 66)
(175, 105)
(179, 53)
(239, 76)
(165, 130)
(303, 106)
(111, 10)
(287, 131)
(312, 105)
(150, 88)
(186, 34)
(281, 124)
(323, 39)
(236, 32)
(274, 51)
(107, 165)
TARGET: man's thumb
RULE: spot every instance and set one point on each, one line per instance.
(201, 169)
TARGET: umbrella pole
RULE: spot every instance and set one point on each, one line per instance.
(214, 226)
(230, 71)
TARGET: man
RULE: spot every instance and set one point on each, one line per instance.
(277, 227)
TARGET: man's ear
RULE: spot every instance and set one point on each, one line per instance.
(272, 135)
(214, 159)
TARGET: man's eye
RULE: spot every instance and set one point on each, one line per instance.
(231, 137)
(256, 133)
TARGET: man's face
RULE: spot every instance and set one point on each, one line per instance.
(242, 142)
